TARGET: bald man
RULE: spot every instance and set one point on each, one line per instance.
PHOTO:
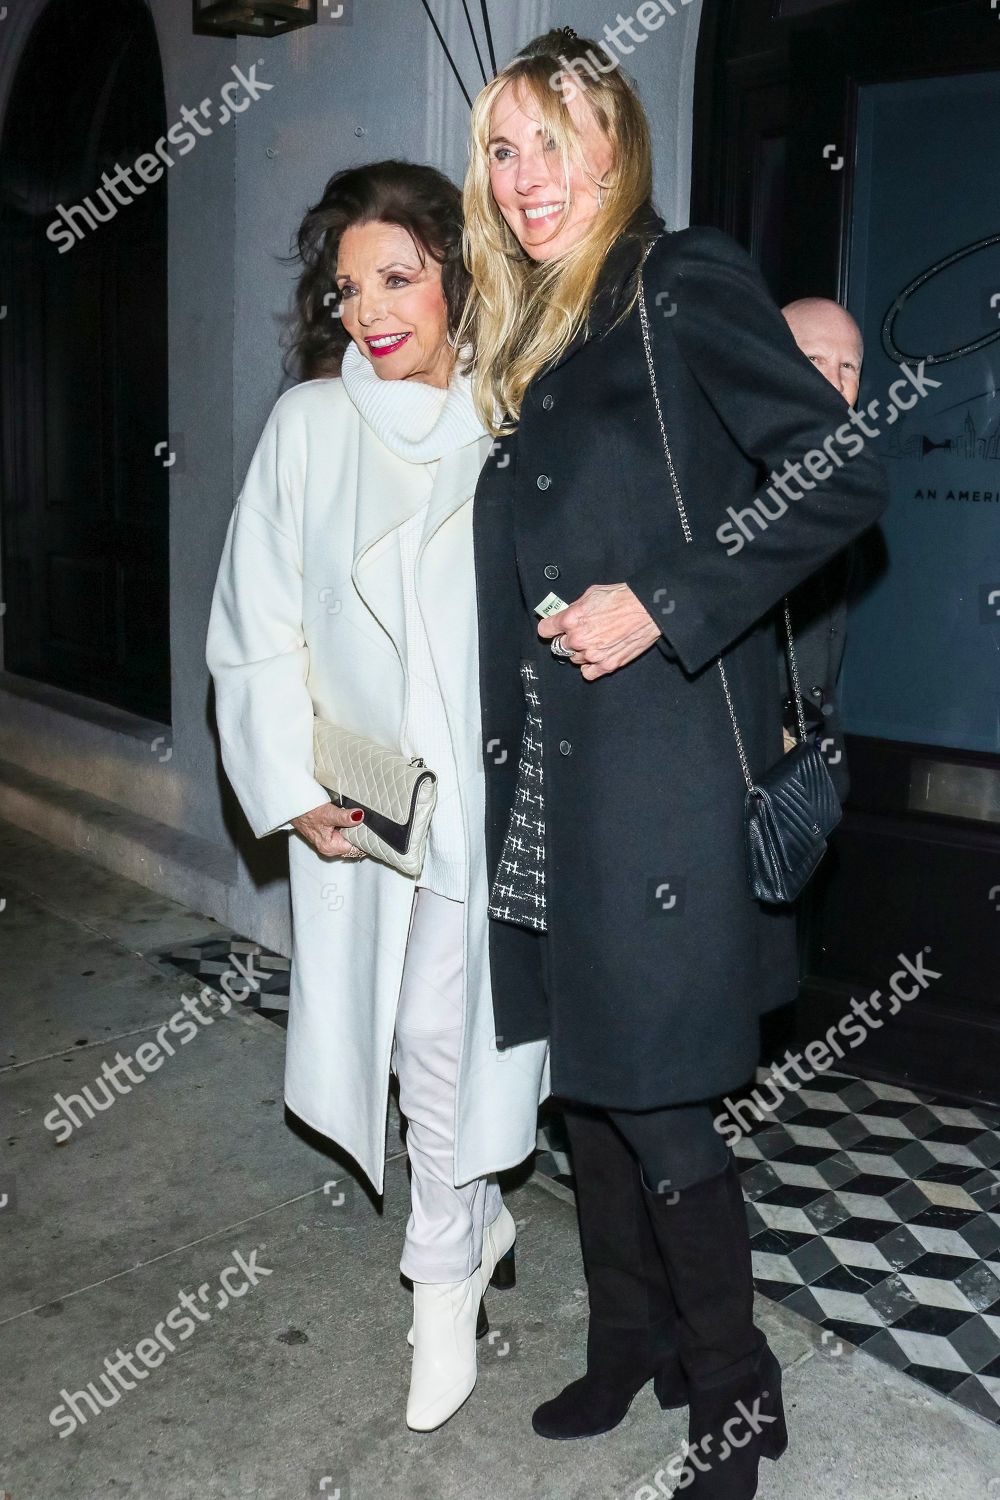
(829, 337)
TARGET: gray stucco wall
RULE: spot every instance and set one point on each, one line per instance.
(341, 94)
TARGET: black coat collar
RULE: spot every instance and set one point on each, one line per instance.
(613, 282)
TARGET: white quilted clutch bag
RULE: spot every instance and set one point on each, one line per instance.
(397, 795)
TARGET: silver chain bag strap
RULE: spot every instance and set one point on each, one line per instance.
(790, 811)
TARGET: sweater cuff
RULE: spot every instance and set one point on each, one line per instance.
(655, 599)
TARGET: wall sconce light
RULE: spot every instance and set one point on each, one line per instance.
(252, 17)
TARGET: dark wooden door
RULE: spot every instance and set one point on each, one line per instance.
(842, 143)
(84, 363)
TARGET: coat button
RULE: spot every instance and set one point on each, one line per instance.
(817, 692)
(543, 481)
(551, 571)
(548, 402)
(565, 748)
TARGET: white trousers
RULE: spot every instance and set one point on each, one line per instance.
(444, 1234)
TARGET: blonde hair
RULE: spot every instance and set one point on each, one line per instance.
(522, 314)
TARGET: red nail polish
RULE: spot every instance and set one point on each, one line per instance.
(357, 815)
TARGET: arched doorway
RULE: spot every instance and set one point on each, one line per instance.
(83, 363)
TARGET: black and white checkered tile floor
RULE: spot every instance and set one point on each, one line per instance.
(874, 1211)
(262, 974)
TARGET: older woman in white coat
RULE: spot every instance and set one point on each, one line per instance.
(346, 590)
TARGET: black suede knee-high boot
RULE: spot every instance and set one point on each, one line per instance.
(631, 1337)
(734, 1380)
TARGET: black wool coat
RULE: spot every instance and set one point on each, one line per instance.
(657, 962)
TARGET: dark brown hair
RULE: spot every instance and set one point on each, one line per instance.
(420, 200)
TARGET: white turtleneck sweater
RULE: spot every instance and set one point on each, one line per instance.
(420, 422)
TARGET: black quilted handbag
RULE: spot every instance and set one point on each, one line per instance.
(788, 816)
(791, 810)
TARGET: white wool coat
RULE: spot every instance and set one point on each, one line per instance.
(307, 617)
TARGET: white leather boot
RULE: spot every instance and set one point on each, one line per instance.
(497, 1240)
(498, 1237)
(444, 1349)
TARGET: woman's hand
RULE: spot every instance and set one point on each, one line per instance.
(606, 628)
(321, 828)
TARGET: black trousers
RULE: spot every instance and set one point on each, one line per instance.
(677, 1146)
(674, 1147)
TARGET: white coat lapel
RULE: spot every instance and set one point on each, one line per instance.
(390, 491)
(455, 482)
(446, 589)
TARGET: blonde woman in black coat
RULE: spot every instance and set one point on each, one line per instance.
(623, 924)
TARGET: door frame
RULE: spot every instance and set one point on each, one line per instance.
(771, 95)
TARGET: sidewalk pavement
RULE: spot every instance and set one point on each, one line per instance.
(287, 1368)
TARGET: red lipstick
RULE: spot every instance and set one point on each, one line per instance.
(388, 348)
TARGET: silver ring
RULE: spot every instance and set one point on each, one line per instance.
(558, 649)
